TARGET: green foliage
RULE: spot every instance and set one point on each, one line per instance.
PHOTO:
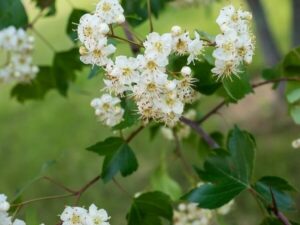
(130, 116)
(162, 181)
(206, 83)
(59, 76)
(48, 5)
(279, 187)
(149, 208)
(74, 18)
(291, 63)
(12, 13)
(229, 173)
(237, 87)
(119, 157)
(96, 70)
(136, 10)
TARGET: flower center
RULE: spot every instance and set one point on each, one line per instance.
(88, 31)
(127, 71)
(151, 87)
(158, 46)
(106, 7)
(97, 53)
(151, 65)
(75, 219)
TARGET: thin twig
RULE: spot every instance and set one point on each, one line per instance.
(131, 37)
(134, 133)
(180, 155)
(150, 15)
(207, 138)
(85, 187)
(120, 187)
(59, 184)
(125, 40)
(41, 199)
(256, 85)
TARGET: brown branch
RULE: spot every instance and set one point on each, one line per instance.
(59, 184)
(134, 133)
(131, 37)
(120, 187)
(207, 138)
(256, 85)
(125, 40)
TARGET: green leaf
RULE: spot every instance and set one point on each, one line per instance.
(119, 157)
(74, 18)
(228, 173)
(237, 87)
(291, 63)
(136, 10)
(37, 89)
(162, 181)
(149, 208)
(46, 4)
(95, 71)
(206, 82)
(295, 113)
(130, 116)
(279, 187)
(12, 13)
(293, 96)
(65, 66)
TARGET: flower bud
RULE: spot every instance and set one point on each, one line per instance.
(186, 71)
(120, 19)
(104, 28)
(176, 30)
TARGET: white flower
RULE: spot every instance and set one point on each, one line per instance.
(126, 70)
(18, 222)
(4, 204)
(74, 216)
(296, 143)
(176, 30)
(18, 46)
(97, 216)
(108, 109)
(90, 30)
(180, 43)
(190, 214)
(236, 43)
(226, 45)
(159, 45)
(5, 219)
(99, 55)
(225, 69)
(195, 48)
(110, 11)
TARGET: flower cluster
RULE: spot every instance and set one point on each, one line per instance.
(82, 216)
(190, 214)
(108, 109)
(93, 30)
(5, 219)
(18, 46)
(159, 94)
(235, 45)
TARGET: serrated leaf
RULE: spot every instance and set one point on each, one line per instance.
(237, 87)
(291, 63)
(130, 116)
(229, 173)
(12, 13)
(136, 10)
(74, 18)
(65, 66)
(162, 181)
(119, 157)
(279, 187)
(149, 208)
(37, 89)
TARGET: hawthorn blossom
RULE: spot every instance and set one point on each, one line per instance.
(108, 109)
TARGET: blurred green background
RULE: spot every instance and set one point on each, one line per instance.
(60, 129)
